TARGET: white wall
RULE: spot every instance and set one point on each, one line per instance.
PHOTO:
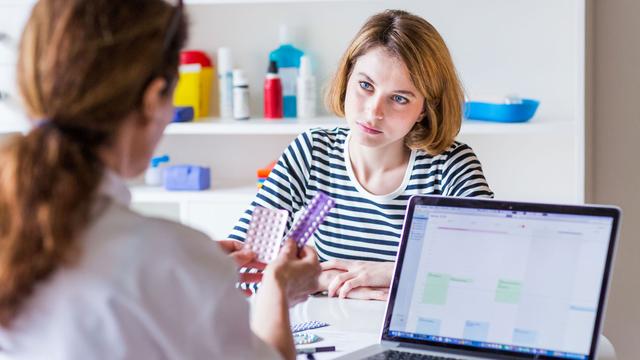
(615, 165)
(500, 47)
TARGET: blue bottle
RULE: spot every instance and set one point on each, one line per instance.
(287, 57)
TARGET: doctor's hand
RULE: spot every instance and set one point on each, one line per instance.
(243, 257)
(296, 272)
(375, 277)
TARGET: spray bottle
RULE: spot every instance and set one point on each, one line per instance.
(272, 93)
(153, 176)
(287, 57)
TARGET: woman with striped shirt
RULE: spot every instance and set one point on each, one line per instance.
(397, 88)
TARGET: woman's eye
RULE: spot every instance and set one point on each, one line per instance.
(365, 85)
(400, 99)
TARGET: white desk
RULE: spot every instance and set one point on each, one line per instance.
(356, 323)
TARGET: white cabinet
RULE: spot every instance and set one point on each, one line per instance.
(13, 15)
(12, 117)
(533, 48)
(210, 211)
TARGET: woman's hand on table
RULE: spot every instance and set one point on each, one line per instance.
(369, 293)
(362, 292)
(356, 279)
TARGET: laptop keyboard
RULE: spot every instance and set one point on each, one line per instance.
(400, 355)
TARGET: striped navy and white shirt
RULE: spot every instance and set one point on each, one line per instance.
(361, 226)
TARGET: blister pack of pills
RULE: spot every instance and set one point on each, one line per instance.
(311, 218)
(305, 338)
(266, 229)
(307, 325)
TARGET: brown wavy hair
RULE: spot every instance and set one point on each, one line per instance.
(419, 45)
(83, 67)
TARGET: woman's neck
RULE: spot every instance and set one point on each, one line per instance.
(117, 153)
(379, 170)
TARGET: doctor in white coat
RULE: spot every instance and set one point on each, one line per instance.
(81, 275)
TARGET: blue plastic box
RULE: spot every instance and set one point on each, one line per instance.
(187, 177)
(183, 114)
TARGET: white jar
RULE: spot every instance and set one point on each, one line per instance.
(306, 83)
(240, 96)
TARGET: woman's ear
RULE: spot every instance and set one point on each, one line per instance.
(423, 113)
(153, 98)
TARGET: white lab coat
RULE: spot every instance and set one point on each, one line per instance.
(143, 288)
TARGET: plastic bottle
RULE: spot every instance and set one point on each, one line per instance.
(272, 93)
(240, 96)
(287, 57)
(153, 176)
(306, 86)
(225, 82)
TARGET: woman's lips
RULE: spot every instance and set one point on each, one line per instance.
(369, 130)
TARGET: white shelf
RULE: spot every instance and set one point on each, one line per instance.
(196, 2)
(157, 194)
(17, 2)
(210, 126)
(533, 126)
(8, 128)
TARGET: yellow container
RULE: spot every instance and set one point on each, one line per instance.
(206, 84)
(195, 84)
(189, 88)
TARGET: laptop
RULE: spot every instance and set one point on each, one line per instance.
(487, 279)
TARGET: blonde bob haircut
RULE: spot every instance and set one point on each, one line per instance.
(417, 43)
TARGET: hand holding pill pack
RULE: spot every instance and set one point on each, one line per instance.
(265, 235)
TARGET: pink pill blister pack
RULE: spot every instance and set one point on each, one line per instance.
(266, 229)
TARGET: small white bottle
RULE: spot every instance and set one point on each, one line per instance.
(241, 109)
(306, 84)
(225, 82)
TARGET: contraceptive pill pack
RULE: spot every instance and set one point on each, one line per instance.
(266, 230)
(308, 325)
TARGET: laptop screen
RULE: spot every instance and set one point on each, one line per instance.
(524, 282)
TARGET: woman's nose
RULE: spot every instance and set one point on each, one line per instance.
(375, 107)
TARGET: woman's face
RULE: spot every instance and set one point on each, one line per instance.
(381, 102)
(157, 112)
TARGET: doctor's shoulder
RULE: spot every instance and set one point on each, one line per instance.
(153, 237)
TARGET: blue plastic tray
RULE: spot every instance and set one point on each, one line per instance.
(507, 113)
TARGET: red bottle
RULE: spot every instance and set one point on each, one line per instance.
(272, 93)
